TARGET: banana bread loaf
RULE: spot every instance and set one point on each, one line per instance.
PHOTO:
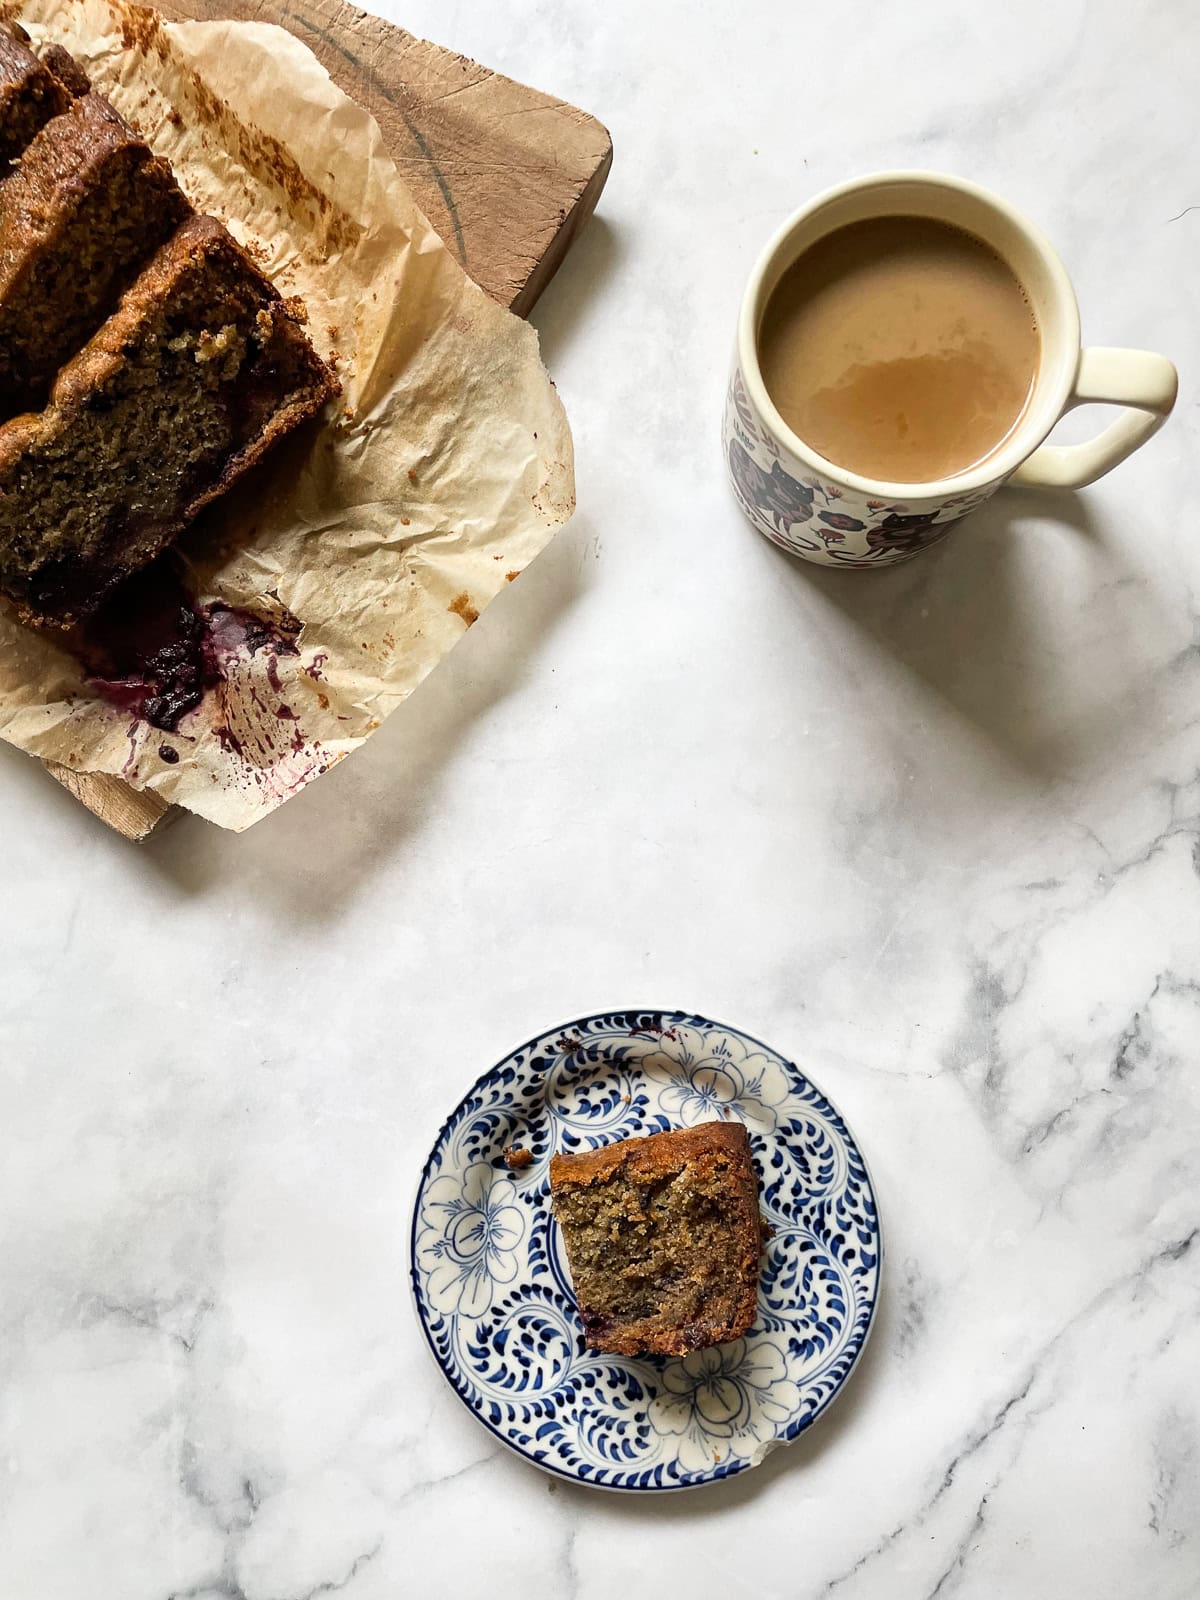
(31, 92)
(196, 373)
(663, 1238)
(86, 205)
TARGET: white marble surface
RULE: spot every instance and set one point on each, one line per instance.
(932, 831)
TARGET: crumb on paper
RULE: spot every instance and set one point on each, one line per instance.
(516, 1156)
(462, 607)
(511, 577)
(412, 477)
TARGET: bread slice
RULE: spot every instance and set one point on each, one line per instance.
(87, 204)
(200, 369)
(63, 65)
(30, 93)
(663, 1238)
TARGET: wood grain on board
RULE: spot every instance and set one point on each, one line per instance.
(505, 174)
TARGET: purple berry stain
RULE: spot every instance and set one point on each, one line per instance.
(151, 650)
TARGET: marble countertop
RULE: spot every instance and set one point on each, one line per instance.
(934, 832)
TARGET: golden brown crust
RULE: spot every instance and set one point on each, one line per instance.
(101, 358)
(79, 214)
(67, 151)
(66, 69)
(237, 359)
(30, 92)
(198, 241)
(656, 1155)
(130, 425)
(712, 1151)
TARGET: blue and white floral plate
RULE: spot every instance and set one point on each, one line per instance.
(490, 1278)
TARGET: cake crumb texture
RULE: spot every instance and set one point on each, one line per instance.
(663, 1237)
(80, 213)
(184, 387)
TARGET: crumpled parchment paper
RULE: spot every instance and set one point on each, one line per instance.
(442, 470)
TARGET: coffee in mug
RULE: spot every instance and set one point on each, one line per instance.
(900, 347)
(905, 344)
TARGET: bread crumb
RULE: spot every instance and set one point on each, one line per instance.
(516, 1157)
(461, 606)
(213, 346)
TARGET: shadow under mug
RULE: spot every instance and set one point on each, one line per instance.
(827, 514)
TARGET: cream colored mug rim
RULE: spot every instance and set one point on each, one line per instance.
(1023, 442)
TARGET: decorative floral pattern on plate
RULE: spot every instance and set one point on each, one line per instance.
(822, 521)
(473, 1229)
(493, 1293)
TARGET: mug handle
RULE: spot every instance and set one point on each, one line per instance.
(1144, 383)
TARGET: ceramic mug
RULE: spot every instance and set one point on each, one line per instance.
(841, 519)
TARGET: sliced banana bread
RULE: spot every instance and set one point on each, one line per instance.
(197, 372)
(30, 92)
(86, 205)
(663, 1238)
(66, 69)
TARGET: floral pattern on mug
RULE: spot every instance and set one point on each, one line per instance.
(821, 521)
(906, 532)
(741, 401)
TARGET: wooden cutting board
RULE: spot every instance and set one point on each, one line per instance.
(505, 174)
